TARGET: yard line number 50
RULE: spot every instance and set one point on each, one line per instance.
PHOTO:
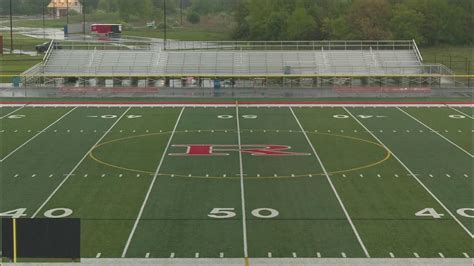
(226, 213)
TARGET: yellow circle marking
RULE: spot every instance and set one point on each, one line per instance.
(92, 156)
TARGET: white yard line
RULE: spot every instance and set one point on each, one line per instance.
(413, 175)
(454, 144)
(36, 135)
(356, 233)
(18, 109)
(452, 108)
(77, 165)
(142, 208)
(242, 194)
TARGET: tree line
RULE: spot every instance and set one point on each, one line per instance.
(153, 9)
(429, 22)
(35, 7)
(129, 10)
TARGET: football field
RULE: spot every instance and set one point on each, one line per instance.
(240, 180)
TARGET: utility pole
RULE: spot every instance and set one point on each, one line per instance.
(164, 10)
(44, 34)
(84, 18)
(181, 11)
(11, 29)
(67, 12)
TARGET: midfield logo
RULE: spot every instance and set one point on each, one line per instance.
(223, 150)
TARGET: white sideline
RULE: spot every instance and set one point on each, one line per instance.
(77, 165)
(437, 133)
(36, 135)
(356, 233)
(413, 175)
(452, 108)
(142, 208)
(264, 262)
(242, 191)
(214, 105)
(18, 109)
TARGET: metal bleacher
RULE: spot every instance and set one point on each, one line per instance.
(240, 59)
(101, 62)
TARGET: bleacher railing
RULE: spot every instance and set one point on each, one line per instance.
(240, 45)
(47, 55)
(417, 51)
(103, 45)
(290, 45)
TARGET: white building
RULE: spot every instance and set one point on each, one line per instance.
(59, 8)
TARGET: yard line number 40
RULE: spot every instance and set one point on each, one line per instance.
(431, 212)
(52, 213)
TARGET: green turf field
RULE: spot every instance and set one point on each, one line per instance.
(239, 181)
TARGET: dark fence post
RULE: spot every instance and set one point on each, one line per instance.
(467, 66)
(469, 72)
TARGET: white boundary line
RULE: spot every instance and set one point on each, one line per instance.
(242, 194)
(452, 108)
(140, 213)
(278, 261)
(36, 135)
(356, 233)
(437, 133)
(263, 104)
(18, 109)
(412, 174)
(77, 165)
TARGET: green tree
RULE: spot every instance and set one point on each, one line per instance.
(407, 24)
(276, 25)
(108, 5)
(135, 8)
(193, 17)
(442, 21)
(242, 27)
(259, 11)
(204, 7)
(369, 19)
(301, 25)
(336, 28)
(90, 5)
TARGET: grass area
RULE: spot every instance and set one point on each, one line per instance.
(16, 64)
(38, 23)
(429, 53)
(61, 22)
(189, 33)
(22, 42)
(184, 34)
(12, 64)
(290, 169)
(458, 58)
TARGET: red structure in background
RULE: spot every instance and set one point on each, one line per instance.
(106, 29)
